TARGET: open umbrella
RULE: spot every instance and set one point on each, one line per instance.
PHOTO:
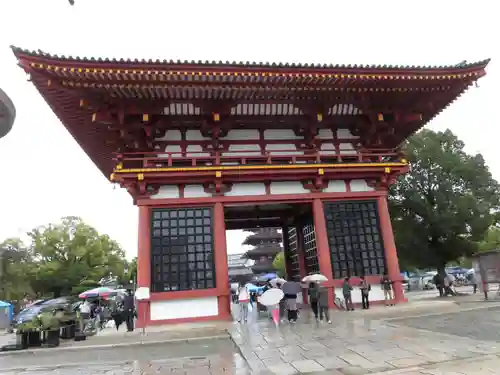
(98, 292)
(267, 276)
(316, 278)
(276, 281)
(291, 287)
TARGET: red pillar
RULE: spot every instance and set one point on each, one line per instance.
(391, 255)
(144, 262)
(220, 258)
(322, 246)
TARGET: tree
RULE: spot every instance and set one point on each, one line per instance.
(15, 263)
(130, 274)
(445, 204)
(68, 253)
(279, 264)
(491, 240)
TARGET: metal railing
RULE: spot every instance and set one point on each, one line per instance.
(250, 157)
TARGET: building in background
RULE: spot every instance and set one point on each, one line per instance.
(237, 267)
(266, 244)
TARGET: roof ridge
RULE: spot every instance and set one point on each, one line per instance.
(463, 65)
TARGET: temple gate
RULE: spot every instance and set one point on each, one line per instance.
(205, 147)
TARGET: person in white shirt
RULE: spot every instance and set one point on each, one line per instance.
(243, 300)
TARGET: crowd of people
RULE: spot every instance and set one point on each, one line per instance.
(96, 313)
(318, 298)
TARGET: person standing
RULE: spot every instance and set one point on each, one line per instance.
(129, 310)
(243, 301)
(386, 284)
(323, 304)
(346, 291)
(365, 288)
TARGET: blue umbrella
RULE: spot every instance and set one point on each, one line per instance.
(268, 276)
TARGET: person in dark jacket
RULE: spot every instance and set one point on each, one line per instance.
(129, 310)
(314, 298)
(346, 291)
(365, 288)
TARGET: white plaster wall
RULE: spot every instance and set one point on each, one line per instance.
(327, 149)
(345, 134)
(346, 149)
(360, 185)
(173, 148)
(280, 134)
(336, 186)
(250, 188)
(195, 150)
(277, 149)
(195, 135)
(195, 191)
(243, 150)
(325, 134)
(171, 135)
(184, 308)
(376, 293)
(167, 191)
(288, 187)
(242, 134)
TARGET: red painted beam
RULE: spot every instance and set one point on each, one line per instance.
(255, 200)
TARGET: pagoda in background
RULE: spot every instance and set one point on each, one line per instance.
(267, 244)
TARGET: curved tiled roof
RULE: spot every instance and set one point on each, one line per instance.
(206, 63)
(7, 114)
(66, 82)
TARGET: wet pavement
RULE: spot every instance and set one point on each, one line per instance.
(362, 342)
(215, 356)
(481, 324)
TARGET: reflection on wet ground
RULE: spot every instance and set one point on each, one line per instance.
(208, 356)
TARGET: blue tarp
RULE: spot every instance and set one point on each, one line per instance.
(9, 307)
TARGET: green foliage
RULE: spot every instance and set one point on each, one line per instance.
(63, 258)
(491, 240)
(14, 266)
(445, 204)
(279, 264)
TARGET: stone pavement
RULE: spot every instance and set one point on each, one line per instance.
(211, 357)
(355, 346)
(393, 340)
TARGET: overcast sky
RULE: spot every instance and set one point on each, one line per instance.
(45, 175)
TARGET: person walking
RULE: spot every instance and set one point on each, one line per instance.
(365, 288)
(473, 281)
(323, 305)
(129, 310)
(314, 298)
(243, 301)
(346, 291)
(386, 284)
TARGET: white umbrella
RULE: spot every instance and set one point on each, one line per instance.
(316, 278)
(275, 282)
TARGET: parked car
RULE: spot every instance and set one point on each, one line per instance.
(26, 318)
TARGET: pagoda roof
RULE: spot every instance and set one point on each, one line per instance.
(260, 252)
(76, 88)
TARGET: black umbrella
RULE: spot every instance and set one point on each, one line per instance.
(291, 287)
